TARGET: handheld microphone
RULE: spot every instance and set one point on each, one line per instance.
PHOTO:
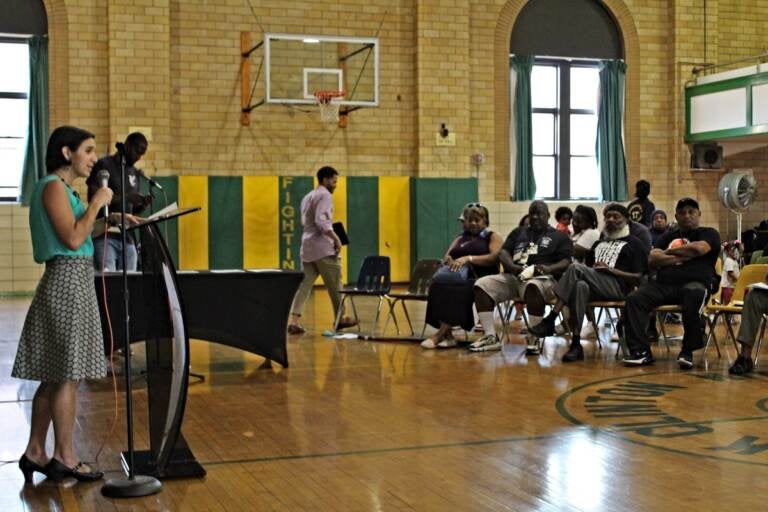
(150, 180)
(104, 181)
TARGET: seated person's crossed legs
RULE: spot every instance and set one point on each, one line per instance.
(579, 285)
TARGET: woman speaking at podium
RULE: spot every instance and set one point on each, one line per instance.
(62, 341)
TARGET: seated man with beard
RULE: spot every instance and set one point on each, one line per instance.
(618, 261)
(533, 258)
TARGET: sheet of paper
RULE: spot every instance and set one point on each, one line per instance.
(171, 207)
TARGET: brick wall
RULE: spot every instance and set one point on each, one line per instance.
(173, 66)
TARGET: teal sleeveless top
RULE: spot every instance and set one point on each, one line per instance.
(45, 244)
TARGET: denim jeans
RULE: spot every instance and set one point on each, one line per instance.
(114, 260)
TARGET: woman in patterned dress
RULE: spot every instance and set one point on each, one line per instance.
(61, 342)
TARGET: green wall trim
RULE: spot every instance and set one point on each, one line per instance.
(225, 222)
(743, 82)
(169, 228)
(362, 222)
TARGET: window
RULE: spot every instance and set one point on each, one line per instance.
(14, 117)
(564, 129)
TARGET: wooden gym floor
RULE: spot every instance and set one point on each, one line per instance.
(361, 425)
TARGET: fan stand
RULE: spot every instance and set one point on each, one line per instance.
(738, 226)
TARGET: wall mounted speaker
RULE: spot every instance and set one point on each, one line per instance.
(707, 156)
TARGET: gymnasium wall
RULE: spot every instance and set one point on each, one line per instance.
(173, 66)
(255, 221)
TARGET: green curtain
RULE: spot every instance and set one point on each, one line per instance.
(609, 147)
(525, 183)
(37, 133)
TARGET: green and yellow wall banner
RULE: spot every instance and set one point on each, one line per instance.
(255, 221)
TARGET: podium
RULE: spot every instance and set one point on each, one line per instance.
(243, 309)
(158, 299)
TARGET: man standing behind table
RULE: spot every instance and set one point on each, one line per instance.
(684, 259)
(320, 248)
(133, 149)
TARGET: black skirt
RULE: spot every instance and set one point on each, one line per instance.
(451, 303)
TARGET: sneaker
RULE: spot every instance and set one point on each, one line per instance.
(673, 318)
(448, 343)
(534, 345)
(639, 358)
(544, 328)
(575, 353)
(742, 366)
(615, 337)
(487, 343)
(685, 359)
(428, 344)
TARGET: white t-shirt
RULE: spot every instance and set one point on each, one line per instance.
(729, 265)
(586, 238)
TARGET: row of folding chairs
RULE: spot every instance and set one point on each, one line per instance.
(374, 280)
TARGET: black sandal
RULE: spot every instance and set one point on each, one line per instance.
(742, 366)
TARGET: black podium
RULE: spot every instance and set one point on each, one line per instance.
(158, 299)
(247, 310)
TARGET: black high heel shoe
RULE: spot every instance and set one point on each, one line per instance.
(28, 468)
(57, 472)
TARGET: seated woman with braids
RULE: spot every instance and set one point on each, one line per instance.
(473, 254)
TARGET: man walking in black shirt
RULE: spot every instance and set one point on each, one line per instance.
(684, 259)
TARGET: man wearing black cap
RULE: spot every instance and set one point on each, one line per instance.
(659, 224)
(618, 261)
(684, 259)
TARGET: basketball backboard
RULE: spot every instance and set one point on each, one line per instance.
(297, 66)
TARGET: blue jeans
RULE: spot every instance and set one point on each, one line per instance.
(114, 260)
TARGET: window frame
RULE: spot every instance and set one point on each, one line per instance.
(562, 125)
(5, 197)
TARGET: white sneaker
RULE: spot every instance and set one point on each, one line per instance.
(534, 344)
(485, 344)
(448, 343)
(428, 343)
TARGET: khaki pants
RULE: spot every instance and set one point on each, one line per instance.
(329, 268)
(755, 305)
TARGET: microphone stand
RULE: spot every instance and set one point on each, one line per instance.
(135, 485)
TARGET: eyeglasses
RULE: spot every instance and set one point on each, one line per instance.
(475, 205)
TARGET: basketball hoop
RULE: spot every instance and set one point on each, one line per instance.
(328, 103)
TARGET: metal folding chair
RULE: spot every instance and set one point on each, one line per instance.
(418, 289)
(750, 274)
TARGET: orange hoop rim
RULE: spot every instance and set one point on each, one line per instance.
(328, 95)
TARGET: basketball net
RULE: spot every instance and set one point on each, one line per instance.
(328, 104)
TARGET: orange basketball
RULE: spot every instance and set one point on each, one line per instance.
(677, 242)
